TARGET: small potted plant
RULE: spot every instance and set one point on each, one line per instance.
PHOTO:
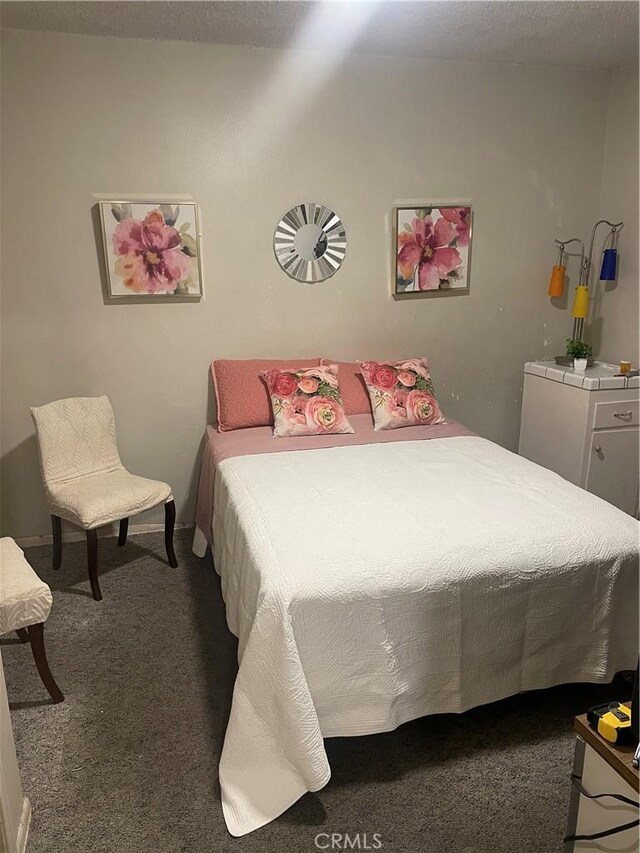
(580, 352)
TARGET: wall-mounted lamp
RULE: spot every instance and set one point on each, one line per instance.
(607, 272)
(556, 285)
(609, 263)
(608, 269)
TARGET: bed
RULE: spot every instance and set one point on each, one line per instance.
(375, 578)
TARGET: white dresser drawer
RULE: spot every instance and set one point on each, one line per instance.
(623, 413)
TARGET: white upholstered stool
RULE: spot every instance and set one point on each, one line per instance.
(85, 481)
(25, 602)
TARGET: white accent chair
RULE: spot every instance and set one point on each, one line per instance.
(85, 481)
(25, 603)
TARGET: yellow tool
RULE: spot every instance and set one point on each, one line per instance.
(612, 721)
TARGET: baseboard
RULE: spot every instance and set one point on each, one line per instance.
(23, 828)
(69, 535)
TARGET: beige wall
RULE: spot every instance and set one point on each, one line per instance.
(82, 115)
(615, 321)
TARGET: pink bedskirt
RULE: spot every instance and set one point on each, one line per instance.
(247, 442)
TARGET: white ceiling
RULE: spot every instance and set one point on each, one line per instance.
(579, 33)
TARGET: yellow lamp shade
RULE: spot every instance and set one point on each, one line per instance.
(580, 302)
(556, 285)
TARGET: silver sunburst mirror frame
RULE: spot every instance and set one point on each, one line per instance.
(310, 242)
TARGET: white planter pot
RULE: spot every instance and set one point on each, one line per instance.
(579, 365)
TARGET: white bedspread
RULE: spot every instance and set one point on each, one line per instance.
(371, 585)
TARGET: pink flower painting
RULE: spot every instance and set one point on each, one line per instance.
(432, 249)
(150, 249)
(460, 218)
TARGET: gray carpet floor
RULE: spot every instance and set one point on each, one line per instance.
(127, 763)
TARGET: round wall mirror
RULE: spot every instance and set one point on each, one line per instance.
(310, 242)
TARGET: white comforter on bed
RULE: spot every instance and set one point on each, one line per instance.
(371, 585)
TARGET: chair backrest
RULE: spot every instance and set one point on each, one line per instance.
(76, 438)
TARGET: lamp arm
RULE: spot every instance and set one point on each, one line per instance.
(563, 243)
(616, 226)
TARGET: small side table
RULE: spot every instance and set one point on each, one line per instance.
(602, 768)
(585, 427)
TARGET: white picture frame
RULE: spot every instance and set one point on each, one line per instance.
(431, 248)
(151, 248)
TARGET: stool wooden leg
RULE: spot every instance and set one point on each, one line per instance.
(56, 527)
(169, 522)
(36, 636)
(92, 562)
(122, 534)
(23, 634)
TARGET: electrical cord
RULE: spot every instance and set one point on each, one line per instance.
(576, 782)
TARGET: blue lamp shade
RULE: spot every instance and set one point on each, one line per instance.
(609, 263)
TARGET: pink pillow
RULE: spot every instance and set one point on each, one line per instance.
(306, 401)
(401, 393)
(241, 398)
(352, 387)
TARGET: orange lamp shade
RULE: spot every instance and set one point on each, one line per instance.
(580, 302)
(556, 285)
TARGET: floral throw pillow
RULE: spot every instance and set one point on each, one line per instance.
(401, 393)
(306, 401)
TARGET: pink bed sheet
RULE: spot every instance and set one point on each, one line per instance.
(253, 440)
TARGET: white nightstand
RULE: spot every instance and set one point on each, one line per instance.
(586, 427)
(601, 768)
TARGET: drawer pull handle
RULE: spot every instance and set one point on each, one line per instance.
(622, 415)
(597, 448)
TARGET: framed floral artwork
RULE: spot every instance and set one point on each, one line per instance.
(431, 248)
(151, 249)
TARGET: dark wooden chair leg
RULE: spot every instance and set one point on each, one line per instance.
(36, 636)
(56, 527)
(169, 523)
(122, 534)
(23, 634)
(92, 562)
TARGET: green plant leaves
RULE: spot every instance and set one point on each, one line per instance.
(578, 349)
